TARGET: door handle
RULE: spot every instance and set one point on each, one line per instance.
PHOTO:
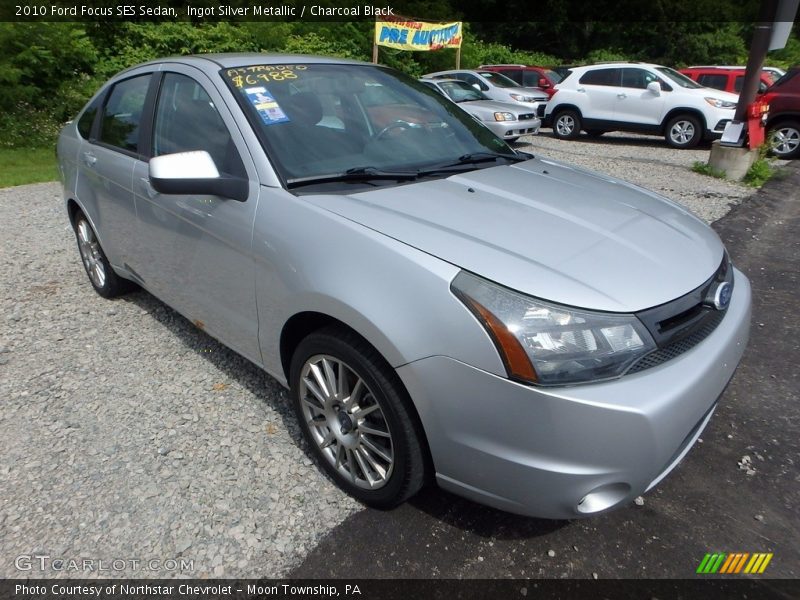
(89, 159)
(622, 95)
(581, 90)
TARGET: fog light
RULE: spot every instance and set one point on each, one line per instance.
(603, 498)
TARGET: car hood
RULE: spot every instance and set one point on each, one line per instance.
(549, 230)
(715, 93)
(489, 107)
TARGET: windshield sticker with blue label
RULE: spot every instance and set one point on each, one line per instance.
(265, 104)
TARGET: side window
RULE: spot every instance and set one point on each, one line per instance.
(610, 77)
(122, 113)
(186, 120)
(87, 118)
(531, 78)
(713, 80)
(637, 78)
(516, 75)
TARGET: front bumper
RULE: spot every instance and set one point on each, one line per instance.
(542, 451)
(514, 129)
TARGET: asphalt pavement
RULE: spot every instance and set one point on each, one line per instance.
(715, 501)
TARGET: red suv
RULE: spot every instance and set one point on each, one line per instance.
(727, 79)
(783, 121)
(528, 76)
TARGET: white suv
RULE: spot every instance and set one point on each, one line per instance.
(638, 97)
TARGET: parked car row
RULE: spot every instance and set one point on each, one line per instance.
(686, 106)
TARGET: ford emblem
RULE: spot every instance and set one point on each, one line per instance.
(722, 295)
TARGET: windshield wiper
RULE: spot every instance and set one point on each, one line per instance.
(355, 174)
(467, 160)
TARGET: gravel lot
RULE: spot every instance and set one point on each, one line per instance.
(129, 434)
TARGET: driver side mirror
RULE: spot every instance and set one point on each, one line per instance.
(654, 87)
(194, 173)
(476, 86)
(543, 83)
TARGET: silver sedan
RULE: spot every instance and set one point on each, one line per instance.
(443, 308)
(506, 120)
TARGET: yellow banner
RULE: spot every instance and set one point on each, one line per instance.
(416, 35)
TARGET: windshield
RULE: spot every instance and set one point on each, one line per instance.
(320, 120)
(498, 80)
(678, 78)
(461, 91)
(553, 76)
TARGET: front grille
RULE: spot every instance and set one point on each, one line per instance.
(679, 325)
(526, 117)
(675, 349)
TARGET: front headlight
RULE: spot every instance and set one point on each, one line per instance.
(548, 344)
(717, 103)
(504, 116)
(521, 98)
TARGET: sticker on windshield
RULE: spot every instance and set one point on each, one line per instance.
(269, 110)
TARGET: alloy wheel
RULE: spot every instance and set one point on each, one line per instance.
(682, 132)
(91, 254)
(785, 140)
(565, 125)
(346, 422)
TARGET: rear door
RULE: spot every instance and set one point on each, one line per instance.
(195, 250)
(597, 93)
(105, 166)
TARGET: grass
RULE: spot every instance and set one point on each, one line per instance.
(19, 166)
(705, 169)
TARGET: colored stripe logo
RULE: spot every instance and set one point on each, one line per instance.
(734, 563)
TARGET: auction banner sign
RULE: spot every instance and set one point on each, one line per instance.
(417, 35)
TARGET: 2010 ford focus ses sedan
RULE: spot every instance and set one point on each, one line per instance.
(533, 336)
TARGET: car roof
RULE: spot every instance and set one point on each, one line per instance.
(246, 59)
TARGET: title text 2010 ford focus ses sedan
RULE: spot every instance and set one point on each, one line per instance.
(535, 337)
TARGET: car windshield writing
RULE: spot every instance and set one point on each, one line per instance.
(320, 120)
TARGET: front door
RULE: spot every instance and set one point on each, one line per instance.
(195, 250)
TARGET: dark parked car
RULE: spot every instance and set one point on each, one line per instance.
(783, 123)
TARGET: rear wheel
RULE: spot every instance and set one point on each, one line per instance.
(357, 418)
(102, 277)
(784, 139)
(566, 125)
(684, 131)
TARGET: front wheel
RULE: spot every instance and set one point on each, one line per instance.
(684, 131)
(357, 418)
(784, 139)
(567, 125)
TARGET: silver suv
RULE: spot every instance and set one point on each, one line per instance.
(638, 97)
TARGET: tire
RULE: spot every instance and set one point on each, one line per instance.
(683, 131)
(364, 435)
(784, 139)
(566, 125)
(595, 133)
(101, 275)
